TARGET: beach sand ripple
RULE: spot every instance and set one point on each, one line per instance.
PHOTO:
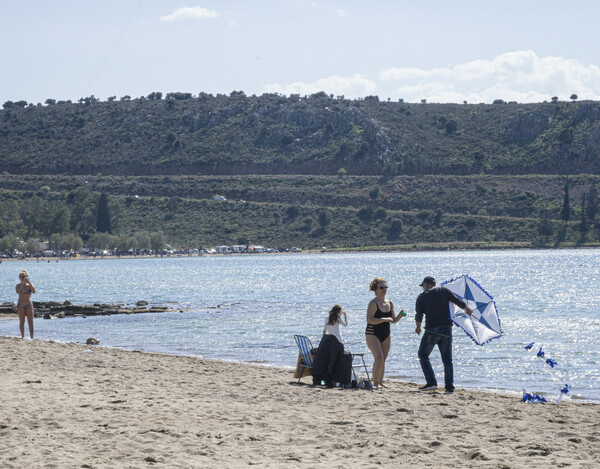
(68, 405)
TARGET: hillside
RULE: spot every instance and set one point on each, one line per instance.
(405, 212)
(304, 172)
(318, 134)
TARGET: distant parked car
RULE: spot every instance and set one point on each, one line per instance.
(294, 249)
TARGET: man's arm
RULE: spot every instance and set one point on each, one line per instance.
(458, 302)
(418, 315)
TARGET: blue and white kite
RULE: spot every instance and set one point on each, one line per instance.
(484, 324)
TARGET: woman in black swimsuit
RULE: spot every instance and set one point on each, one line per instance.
(25, 305)
(380, 314)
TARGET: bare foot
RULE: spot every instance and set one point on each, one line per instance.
(383, 385)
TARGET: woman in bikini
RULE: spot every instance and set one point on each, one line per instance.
(25, 305)
(380, 314)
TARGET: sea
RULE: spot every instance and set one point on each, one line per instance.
(247, 308)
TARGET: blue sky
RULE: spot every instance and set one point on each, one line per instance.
(442, 51)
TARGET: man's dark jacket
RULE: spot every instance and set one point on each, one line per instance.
(433, 303)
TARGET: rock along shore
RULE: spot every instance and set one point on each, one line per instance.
(56, 310)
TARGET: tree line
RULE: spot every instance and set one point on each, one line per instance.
(66, 222)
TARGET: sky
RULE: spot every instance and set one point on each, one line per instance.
(439, 50)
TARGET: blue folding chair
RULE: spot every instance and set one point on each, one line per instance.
(306, 347)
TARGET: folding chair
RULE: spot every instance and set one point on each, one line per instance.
(306, 358)
(359, 365)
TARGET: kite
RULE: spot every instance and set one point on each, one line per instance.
(541, 354)
(534, 398)
(484, 324)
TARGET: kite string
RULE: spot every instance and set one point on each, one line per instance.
(427, 331)
(113, 47)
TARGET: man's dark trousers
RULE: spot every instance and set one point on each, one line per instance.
(442, 337)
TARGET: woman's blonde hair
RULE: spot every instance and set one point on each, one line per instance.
(24, 273)
(376, 281)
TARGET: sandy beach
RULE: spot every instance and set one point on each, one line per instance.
(69, 405)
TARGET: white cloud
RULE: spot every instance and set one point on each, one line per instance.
(339, 12)
(303, 3)
(350, 86)
(513, 76)
(190, 13)
(519, 76)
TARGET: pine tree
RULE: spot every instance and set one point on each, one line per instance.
(324, 218)
(566, 209)
(103, 218)
(583, 228)
(592, 202)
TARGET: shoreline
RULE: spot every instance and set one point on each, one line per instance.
(513, 393)
(412, 247)
(103, 407)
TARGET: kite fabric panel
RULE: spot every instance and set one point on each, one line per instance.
(484, 324)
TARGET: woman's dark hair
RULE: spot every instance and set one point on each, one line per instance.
(333, 314)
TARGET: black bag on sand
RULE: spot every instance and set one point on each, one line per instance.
(342, 372)
(331, 364)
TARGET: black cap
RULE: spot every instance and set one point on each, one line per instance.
(429, 280)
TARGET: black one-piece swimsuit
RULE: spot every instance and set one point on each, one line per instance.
(382, 330)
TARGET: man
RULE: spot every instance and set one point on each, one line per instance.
(433, 303)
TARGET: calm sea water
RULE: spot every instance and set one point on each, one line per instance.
(247, 308)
